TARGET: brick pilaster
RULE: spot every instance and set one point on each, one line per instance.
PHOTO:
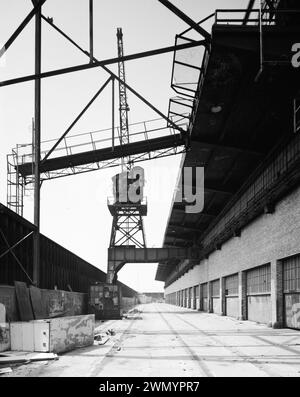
(277, 297)
(242, 296)
(222, 297)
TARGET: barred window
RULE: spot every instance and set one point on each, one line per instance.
(215, 288)
(291, 269)
(232, 285)
(259, 280)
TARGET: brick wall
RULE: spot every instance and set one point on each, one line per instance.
(269, 238)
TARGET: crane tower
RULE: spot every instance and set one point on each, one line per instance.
(127, 225)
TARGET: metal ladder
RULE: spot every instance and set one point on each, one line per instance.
(15, 186)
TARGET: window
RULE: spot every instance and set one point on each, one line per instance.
(259, 280)
(232, 285)
(291, 269)
(215, 288)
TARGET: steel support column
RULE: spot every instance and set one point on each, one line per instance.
(37, 147)
(91, 20)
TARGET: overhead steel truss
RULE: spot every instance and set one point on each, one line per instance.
(91, 151)
(17, 181)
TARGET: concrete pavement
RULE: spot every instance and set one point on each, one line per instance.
(166, 341)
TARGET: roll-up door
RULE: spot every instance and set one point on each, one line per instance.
(186, 298)
(231, 295)
(259, 294)
(196, 302)
(190, 298)
(291, 289)
(215, 296)
(204, 297)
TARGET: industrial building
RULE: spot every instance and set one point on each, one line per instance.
(245, 133)
(230, 257)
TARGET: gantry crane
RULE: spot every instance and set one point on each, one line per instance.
(127, 226)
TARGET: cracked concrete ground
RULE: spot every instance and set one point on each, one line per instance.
(166, 341)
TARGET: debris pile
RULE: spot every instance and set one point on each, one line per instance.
(21, 358)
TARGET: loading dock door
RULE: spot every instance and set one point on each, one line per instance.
(291, 288)
(215, 296)
(196, 298)
(259, 294)
(190, 298)
(204, 295)
(231, 296)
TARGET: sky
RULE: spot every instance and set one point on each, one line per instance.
(74, 209)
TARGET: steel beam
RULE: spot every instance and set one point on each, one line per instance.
(14, 255)
(77, 119)
(10, 249)
(248, 12)
(130, 254)
(115, 60)
(116, 77)
(113, 114)
(36, 8)
(186, 19)
(97, 64)
(104, 154)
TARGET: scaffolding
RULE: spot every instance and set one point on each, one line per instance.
(15, 184)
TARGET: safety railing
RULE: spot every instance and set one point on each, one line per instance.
(95, 140)
(236, 17)
(187, 73)
(180, 109)
(266, 16)
(111, 201)
(189, 66)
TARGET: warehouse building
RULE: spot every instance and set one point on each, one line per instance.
(245, 133)
(65, 278)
